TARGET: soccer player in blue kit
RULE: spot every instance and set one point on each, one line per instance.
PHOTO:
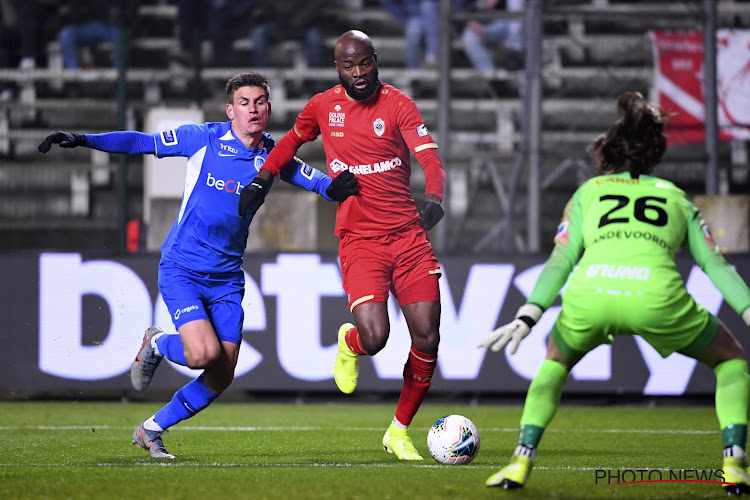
(200, 271)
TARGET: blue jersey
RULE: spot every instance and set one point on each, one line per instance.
(208, 235)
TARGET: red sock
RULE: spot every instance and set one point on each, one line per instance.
(354, 342)
(417, 376)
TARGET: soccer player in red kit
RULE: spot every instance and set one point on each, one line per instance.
(368, 128)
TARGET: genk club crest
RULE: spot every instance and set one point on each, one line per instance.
(379, 126)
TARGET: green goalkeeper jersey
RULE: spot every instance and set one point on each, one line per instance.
(626, 232)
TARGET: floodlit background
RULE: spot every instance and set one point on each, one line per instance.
(80, 230)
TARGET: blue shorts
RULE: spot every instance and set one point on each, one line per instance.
(216, 297)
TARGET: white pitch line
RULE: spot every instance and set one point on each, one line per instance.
(247, 465)
(346, 429)
(311, 465)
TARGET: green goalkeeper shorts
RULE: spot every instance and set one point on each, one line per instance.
(669, 324)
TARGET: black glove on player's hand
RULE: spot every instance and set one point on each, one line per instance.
(343, 186)
(431, 213)
(64, 139)
(253, 195)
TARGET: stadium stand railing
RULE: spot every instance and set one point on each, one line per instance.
(587, 61)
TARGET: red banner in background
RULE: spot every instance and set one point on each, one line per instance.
(678, 74)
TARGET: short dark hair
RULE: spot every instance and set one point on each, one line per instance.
(247, 80)
(635, 142)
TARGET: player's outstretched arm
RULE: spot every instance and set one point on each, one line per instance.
(710, 259)
(126, 142)
(515, 331)
(64, 139)
(300, 174)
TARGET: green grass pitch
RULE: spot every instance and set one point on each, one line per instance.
(260, 450)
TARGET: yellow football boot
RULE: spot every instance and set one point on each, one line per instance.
(398, 442)
(514, 475)
(735, 472)
(346, 368)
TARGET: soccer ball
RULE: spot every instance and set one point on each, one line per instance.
(453, 440)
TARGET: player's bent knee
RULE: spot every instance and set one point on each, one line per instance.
(372, 350)
(372, 346)
(427, 338)
(429, 345)
(201, 357)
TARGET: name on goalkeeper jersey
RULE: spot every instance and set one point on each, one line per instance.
(634, 235)
(366, 168)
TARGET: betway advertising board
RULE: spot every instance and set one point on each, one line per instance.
(74, 322)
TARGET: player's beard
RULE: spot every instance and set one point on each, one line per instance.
(361, 95)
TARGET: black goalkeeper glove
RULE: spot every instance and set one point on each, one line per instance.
(343, 186)
(252, 196)
(431, 213)
(64, 139)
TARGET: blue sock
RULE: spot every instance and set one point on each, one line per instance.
(185, 403)
(170, 346)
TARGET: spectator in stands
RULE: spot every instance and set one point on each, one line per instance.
(420, 21)
(90, 22)
(19, 32)
(191, 15)
(508, 33)
(299, 20)
(214, 20)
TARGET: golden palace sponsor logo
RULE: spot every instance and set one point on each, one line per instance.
(336, 119)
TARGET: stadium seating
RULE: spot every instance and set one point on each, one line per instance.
(587, 60)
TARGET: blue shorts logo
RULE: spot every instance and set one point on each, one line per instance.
(187, 309)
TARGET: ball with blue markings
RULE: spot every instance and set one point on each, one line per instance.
(453, 440)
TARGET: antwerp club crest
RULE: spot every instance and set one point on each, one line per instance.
(379, 126)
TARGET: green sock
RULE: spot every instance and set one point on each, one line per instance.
(732, 389)
(541, 401)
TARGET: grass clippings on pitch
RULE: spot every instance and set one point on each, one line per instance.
(314, 451)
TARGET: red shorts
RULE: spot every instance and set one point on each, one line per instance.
(374, 265)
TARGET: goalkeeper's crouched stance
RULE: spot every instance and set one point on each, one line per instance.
(604, 297)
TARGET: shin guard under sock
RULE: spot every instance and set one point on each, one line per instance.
(418, 372)
(186, 402)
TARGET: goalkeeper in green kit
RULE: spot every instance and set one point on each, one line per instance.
(623, 228)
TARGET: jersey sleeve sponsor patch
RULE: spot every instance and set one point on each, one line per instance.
(169, 137)
(306, 170)
(422, 130)
(710, 242)
(562, 235)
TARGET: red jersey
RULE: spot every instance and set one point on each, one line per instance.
(371, 139)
